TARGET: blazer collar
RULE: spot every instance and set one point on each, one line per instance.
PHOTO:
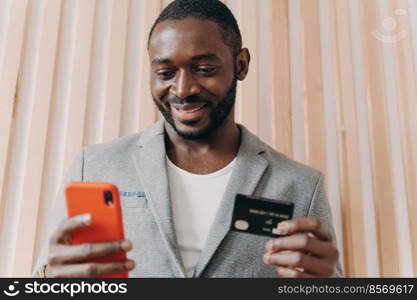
(247, 172)
(150, 162)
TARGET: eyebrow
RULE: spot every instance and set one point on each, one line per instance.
(205, 56)
(159, 60)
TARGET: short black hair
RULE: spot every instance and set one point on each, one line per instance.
(212, 10)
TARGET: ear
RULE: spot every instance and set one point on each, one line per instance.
(242, 64)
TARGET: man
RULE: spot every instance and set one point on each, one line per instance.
(178, 179)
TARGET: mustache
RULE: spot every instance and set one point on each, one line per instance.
(191, 99)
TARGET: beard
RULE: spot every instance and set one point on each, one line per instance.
(218, 114)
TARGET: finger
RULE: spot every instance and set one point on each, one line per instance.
(297, 259)
(309, 224)
(69, 225)
(91, 270)
(305, 243)
(69, 254)
(291, 273)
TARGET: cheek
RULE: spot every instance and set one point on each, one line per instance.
(217, 86)
(159, 89)
(220, 85)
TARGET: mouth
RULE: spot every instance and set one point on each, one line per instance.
(190, 108)
(189, 111)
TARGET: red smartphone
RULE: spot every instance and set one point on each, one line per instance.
(102, 201)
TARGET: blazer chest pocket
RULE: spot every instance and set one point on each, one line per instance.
(134, 207)
(130, 202)
(135, 199)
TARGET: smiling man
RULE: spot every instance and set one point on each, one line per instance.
(185, 171)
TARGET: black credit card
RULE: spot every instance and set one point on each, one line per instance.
(260, 215)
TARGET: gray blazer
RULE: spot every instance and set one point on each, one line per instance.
(136, 165)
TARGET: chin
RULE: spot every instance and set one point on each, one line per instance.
(193, 133)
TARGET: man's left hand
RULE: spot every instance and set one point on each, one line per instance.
(306, 250)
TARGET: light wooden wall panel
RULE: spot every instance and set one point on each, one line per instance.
(397, 163)
(313, 85)
(297, 81)
(28, 149)
(350, 179)
(116, 69)
(333, 185)
(379, 139)
(147, 110)
(69, 102)
(406, 83)
(265, 99)
(248, 101)
(280, 76)
(141, 15)
(324, 88)
(12, 21)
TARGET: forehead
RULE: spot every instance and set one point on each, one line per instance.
(187, 38)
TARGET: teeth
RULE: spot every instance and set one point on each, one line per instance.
(191, 111)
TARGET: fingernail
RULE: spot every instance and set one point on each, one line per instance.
(130, 264)
(268, 245)
(283, 228)
(276, 243)
(266, 258)
(126, 245)
(86, 219)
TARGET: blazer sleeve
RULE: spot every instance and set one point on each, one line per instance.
(320, 208)
(59, 212)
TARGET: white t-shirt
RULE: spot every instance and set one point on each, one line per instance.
(195, 200)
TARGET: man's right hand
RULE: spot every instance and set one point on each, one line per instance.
(66, 260)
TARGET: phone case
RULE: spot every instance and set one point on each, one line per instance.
(102, 201)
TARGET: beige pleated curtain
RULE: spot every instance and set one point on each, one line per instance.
(332, 84)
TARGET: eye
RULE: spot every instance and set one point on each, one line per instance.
(165, 74)
(205, 70)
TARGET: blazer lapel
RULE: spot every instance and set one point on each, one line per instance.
(248, 170)
(150, 162)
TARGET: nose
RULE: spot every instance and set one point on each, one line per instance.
(185, 85)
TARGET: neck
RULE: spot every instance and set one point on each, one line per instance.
(224, 141)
